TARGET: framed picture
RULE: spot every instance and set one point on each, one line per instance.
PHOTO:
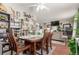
(66, 26)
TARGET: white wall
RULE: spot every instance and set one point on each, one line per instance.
(66, 21)
(74, 27)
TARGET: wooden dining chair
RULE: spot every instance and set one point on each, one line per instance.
(4, 44)
(47, 41)
(44, 44)
(50, 39)
(15, 46)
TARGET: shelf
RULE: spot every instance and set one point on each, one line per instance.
(15, 27)
(4, 21)
(3, 28)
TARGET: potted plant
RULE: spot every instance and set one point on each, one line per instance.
(71, 44)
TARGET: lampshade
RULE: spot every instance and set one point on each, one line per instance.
(3, 8)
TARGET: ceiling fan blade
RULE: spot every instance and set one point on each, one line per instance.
(38, 7)
(35, 5)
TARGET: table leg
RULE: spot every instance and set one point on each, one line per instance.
(50, 44)
(34, 51)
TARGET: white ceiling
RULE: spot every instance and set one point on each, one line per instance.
(57, 11)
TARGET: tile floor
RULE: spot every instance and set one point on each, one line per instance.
(61, 49)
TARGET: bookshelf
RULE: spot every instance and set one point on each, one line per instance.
(16, 25)
(4, 23)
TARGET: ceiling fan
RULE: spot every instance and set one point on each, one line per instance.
(39, 6)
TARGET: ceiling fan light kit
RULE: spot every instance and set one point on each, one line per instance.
(41, 7)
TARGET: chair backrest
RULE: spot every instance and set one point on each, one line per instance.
(12, 41)
(45, 37)
(50, 35)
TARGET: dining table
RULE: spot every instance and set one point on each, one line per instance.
(33, 39)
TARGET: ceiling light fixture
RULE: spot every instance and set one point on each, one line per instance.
(41, 7)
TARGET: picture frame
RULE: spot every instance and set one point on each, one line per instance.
(66, 25)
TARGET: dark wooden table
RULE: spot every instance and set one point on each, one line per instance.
(33, 39)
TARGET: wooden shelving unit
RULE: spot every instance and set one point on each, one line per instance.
(4, 23)
(16, 25)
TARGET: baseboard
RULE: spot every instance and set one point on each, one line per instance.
(57, 40)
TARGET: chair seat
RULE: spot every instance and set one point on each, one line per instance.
(20, 44)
